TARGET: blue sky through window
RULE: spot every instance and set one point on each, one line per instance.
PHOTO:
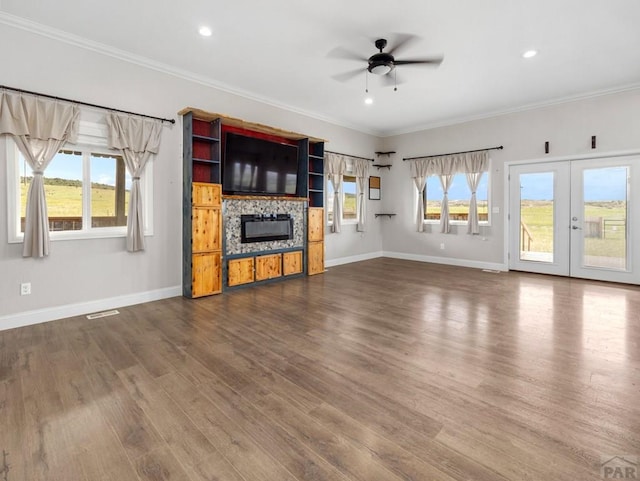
(69, 166)
(599, 185)
(459, 189)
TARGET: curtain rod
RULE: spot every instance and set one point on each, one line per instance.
(86, 103)
(347, 155)
(499, 147)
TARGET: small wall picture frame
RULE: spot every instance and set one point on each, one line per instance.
(374, 188)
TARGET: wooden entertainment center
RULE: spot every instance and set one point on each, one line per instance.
(214, 257)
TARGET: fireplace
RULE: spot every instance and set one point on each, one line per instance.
(266, 227)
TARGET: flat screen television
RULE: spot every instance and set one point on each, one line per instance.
(257, 166)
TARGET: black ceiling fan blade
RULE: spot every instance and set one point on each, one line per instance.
(392, 79)
(345, 76)
(344, 54)
(402, 40)
(424, 61)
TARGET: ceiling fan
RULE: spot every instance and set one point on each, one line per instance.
(382, 63)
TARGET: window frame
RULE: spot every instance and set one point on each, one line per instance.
(481, 223)
(348, 173)
(92, 138)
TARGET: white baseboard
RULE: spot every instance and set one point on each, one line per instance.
(70, 310)
(60, 312)
(348, 260)
(420, 258)
(496, 266)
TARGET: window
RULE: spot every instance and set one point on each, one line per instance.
(349, 200)
(459, 198)
(86, 186)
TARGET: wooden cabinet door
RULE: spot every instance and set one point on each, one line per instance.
(206, 194)
(292, 263)
(315, 258)
(240, 271)
(268, 267)
(206, 273)
(316, 224)
(206, 228)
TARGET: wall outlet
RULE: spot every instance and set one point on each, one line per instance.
(25, 288)
(442, 246)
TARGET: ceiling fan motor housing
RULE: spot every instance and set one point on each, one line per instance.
(381, 63)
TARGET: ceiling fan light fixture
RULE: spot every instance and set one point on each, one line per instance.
(381, 69)
(530, 54)
(368, 100)
(205, 31)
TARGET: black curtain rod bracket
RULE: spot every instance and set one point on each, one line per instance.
(22, 91)
(500, 147)
(347, 155)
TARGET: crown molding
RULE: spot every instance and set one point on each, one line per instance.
(123, 55)
(514, 110)
(139, 60)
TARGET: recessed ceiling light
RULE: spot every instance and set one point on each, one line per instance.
(368, 101)
(205, 31)
(530, 53)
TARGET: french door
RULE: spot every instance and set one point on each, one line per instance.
(576, 218)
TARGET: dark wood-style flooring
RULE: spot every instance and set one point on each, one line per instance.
(383, 370)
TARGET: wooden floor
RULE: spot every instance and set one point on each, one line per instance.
(383, 370)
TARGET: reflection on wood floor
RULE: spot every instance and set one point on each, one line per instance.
(380, 370)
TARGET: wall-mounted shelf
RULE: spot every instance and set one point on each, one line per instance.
(388, 215)
(386, 153)
(380, 166)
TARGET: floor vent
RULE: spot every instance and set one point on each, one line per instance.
(98, 315)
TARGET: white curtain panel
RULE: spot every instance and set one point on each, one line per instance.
(445, 167)
(445, 181)
(475, 164)
(138, 138)
(40, 128)
(419, 172)
(361, 171)
(335, 167)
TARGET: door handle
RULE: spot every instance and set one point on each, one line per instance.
(575, 227)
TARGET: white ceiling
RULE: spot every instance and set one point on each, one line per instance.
(278, 51)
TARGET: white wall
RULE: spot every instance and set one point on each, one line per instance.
(87, 275)
(614, 119)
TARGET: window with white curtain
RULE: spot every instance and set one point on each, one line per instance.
(350, 193)
(459, 198)
(86, 185)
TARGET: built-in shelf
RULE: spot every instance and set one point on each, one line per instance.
(204, 138)
(263, 197)
(380, 166)
(206, 161)
(388, 215)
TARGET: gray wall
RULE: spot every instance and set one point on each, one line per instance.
(614, 119)
(86, 275)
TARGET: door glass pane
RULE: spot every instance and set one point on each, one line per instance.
(605, 217)
(536, 217)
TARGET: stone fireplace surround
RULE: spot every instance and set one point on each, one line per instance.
(232, 209)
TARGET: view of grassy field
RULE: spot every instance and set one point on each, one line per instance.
(66, 200)
(349, 210)
(611, 241)
(455, 207)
